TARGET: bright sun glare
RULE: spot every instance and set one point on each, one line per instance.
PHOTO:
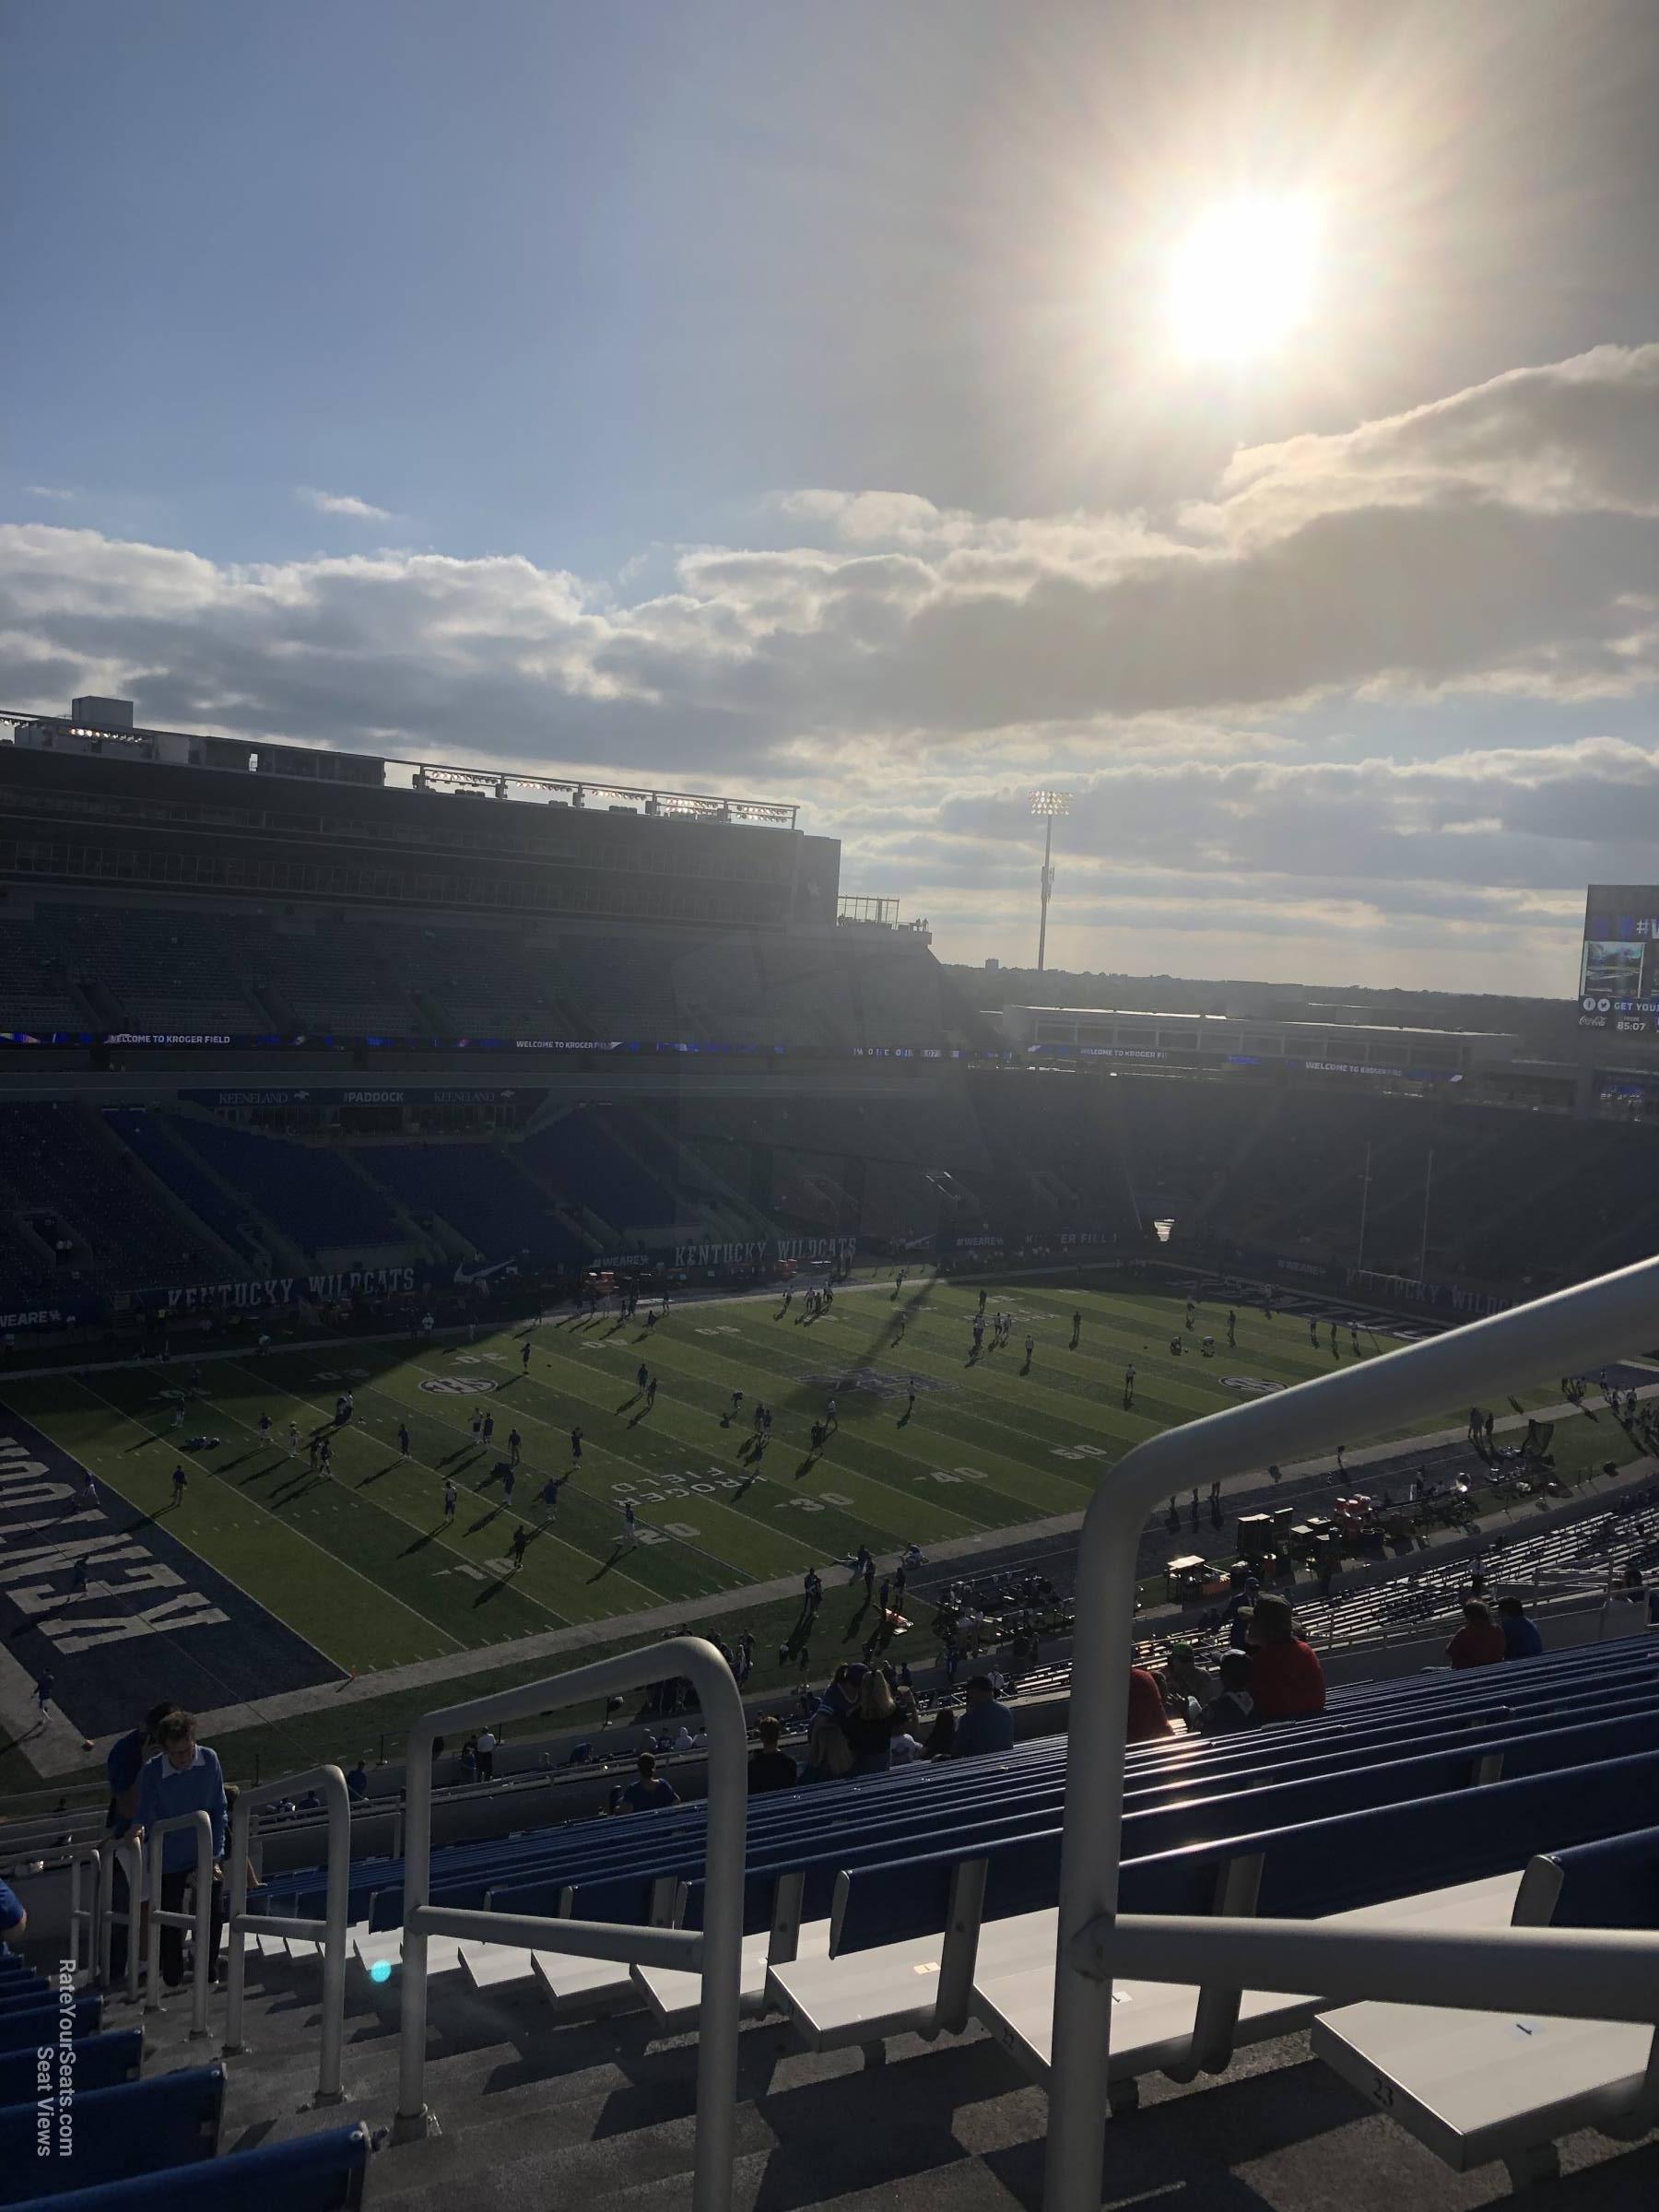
(1243, 279)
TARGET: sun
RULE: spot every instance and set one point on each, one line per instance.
(1242, 281)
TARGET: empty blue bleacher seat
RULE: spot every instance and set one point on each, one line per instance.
(317, 2173)
(26, 2025)
(102, 2062)
(138, 2127)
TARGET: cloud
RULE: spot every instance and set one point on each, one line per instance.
(1188, 672)
(47, 491)
(342, 503)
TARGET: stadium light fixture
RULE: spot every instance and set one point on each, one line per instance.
(1045, 805)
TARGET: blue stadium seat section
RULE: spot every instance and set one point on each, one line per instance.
(152, 1138)
(139, 2127)
(1611, 1884)
(1422, 1743)
(579, 1157)
(310, 1194)
(24, 2026)
(102, 2062)
(324, 2172)
(479, 1192)
(60, 1160)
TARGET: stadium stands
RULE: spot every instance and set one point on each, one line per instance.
(62, 1159)
(37, 993)
(153, 1138)
(311, 1195)
(479, 1193)
(581, 1157)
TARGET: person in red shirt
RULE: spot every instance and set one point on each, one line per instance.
(1479, 1642)
(1147, 1717)
(1285, 1679)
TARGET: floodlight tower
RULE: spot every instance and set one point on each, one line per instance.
(1046, 805)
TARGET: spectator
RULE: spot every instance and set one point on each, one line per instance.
(486, 1752)
(1148, 1718)
(14, 1920)
(1285, 1679)
(771, 1767)
(1187, 1686)
(986, 1725)
(122, 1769)
(872, 1725)
(1235, 1706)
(1520, 1637)
(182, 1777)
(941, 1737)
(469, 1760)
(1480, 1642)
(650, 1790)
(841, 1695)
(828, 1754)
(356, 1779)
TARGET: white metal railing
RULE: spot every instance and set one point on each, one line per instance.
(200, 1921)
(329, 1931)
(1569, 1333)
(716, 1952)
(123, 1851)
(86, 1913)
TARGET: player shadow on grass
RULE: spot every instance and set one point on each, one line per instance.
(484, 1520)
(605, 1565)
(364, 1480)
(427, 1536)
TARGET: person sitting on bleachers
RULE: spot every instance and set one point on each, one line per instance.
(14, 1920)
(941, 1737)
(1186, 1685)
(770, 1768)
(872, 1725)
(1285, 1679)
(1479, 1642)
(1148, 1718)
(1520, 1637)
(1234, 1707)
(986, 1726)
(650, 1790)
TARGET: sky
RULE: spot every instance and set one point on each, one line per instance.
(843, 405)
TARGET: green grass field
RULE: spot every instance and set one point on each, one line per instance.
(362, 1564)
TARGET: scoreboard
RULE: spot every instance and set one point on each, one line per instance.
(1619, 967)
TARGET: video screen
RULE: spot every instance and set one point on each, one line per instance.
(1618, 968)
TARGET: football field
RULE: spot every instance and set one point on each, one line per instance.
(270, 1575)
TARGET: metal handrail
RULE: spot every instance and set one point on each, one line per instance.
(1566, 1973)
(129, 1849)
(330, 1931)
(201, 1920)
(716, 1953)
(1561, 1334)
(89, 1915)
